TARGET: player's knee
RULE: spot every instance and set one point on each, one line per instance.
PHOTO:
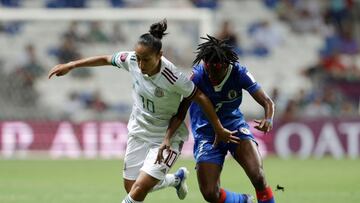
(127, 189)
(128, 185)
(210, 194)
(138, 192)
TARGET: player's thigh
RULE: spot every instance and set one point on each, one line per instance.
(209, 162)
(248, 156)
(208, 175)
(205, 152)
(156, 170)
(136, 152)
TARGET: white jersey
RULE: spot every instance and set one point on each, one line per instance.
(156, 98)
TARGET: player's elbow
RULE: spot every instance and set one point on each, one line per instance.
(270, 103)
(199, 97)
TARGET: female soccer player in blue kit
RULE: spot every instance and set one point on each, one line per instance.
(222, 79)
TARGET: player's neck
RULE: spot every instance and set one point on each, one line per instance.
(156, 70)
(217, 82)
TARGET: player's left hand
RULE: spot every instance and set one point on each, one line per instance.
(165, 145)
(264, 125)
(60, 70)
(226, 136)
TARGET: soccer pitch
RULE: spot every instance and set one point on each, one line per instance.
(93, 181)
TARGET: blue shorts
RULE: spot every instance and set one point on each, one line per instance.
(205, 152)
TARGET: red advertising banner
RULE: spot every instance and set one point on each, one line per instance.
(19, 139)
(304, 139)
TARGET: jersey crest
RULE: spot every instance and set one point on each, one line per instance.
(245, 131)
(232, 94)
(159, 92)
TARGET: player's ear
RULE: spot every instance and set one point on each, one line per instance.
(160, 54)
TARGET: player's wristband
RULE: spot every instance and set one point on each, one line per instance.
(270, 120)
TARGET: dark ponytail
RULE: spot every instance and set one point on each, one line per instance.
(158, 29)
(153, 38)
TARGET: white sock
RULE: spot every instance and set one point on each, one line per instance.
(169, 180)
(128, 199)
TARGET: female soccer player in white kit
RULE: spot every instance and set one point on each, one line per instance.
(158, 89)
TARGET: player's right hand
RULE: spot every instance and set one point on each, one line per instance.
(59, 70)
(165, 145)
(226, 136)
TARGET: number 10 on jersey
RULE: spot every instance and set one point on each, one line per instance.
(148, 104)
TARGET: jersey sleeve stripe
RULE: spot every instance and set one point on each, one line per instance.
(170, 75)
(167, 77)
(113, 58)
(170, 72)
(192, 93)
(254, 87)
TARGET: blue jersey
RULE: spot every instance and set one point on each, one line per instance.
(226, 98)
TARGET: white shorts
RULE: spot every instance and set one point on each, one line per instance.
(141, 155)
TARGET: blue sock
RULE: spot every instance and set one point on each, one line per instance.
(232, 197)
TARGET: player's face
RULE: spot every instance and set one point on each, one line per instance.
(216, 71)
(148, 60)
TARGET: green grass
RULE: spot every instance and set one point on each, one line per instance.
(86, 181)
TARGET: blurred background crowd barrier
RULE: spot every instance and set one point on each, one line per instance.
(304, 53)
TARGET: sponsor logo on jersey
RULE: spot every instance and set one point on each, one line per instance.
(245, 131)
(132, 58)
(123, 57)
(159, 92)
(232, 94)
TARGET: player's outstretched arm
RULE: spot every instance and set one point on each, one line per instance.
(265, 101)
(62, 69)
(222, 134)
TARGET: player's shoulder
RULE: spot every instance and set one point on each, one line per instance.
(125, 53)
(198, 67)
(239, 67)
(168, 64)
(196, 74)
(198, 70)
(169, 71)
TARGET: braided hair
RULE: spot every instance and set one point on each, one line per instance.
(215, 51)
(153, 38)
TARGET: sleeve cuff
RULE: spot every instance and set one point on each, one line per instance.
(192, 93)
